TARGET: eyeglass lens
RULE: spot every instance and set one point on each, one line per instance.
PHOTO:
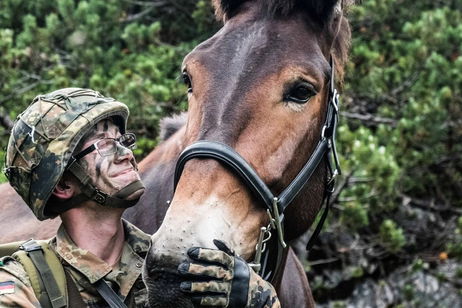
(108, 146)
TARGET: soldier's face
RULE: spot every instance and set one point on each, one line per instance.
(113, 172)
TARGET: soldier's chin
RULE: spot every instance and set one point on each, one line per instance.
(136, 195)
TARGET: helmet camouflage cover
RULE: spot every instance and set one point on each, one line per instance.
(46, 134)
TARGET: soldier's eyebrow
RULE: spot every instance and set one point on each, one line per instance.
(99, 135)
(94, 138)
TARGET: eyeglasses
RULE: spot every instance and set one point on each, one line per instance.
(108, 146)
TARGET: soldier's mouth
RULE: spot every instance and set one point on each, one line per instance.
(124, 171)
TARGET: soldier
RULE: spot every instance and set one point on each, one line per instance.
(69, 155)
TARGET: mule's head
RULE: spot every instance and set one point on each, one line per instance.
(259, 85)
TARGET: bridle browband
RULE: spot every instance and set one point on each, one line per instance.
(276, 205)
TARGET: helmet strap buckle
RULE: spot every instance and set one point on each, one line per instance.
(100, 197)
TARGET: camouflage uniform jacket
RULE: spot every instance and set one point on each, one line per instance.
(86, 269)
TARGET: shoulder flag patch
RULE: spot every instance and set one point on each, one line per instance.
(6, 287)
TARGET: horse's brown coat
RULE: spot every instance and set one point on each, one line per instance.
(238, 78)
(18, 222)
(241, 81)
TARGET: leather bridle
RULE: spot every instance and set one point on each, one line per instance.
(277, 205)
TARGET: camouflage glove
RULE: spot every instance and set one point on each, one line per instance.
(219, 278)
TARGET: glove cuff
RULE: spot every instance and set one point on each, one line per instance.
(240, 284)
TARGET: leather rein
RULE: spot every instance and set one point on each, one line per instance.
(268, 264)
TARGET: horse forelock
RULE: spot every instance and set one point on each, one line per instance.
(326, 14)
(321, 9)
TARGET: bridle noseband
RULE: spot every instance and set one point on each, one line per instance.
(276, 205)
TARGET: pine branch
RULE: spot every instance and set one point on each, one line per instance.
(369, 118)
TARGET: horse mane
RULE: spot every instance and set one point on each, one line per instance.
(323, 13)
(170, 125)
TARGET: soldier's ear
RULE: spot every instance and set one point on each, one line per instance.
(66, 188)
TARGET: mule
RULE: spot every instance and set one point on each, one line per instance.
(259, 86)
(260, 95)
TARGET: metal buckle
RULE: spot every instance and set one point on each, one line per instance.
(323, 132)
(260, 247)
(277, 221)
(337, 170)
(30, 245)
(271, 223)
(335, 100)
(335, 103)
(330, 186)
(100, 196)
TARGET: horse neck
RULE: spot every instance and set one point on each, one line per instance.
(157, 171)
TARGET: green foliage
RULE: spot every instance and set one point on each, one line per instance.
(419, 265)
(399, 138)
(371, 163)
(405, 77)
(129, 50)
(339, 305)
(454, 247)
(143, 145)
(355, 215)
(391, 236)
(2, 160)
(400, 130)
(411, 65)
(409, 292)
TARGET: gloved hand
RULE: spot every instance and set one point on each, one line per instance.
(219, 278)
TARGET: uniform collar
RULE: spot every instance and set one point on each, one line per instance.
(93, 268)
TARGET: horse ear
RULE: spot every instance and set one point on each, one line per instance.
(224, 9)
(324, 9)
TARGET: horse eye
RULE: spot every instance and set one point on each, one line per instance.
(187, 81)
(300, 93)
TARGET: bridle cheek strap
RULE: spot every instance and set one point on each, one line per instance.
(90, 192)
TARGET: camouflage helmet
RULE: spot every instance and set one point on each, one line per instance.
(46, 134)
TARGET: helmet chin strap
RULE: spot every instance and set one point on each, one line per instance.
(90, 192)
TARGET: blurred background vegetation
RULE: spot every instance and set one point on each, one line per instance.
(394, 237)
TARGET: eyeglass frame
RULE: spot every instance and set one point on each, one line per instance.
(94, 146)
